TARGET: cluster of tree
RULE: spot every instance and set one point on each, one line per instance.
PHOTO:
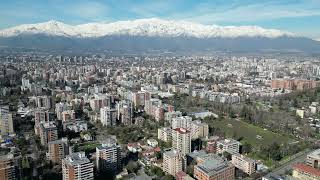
(246, 148)
(276, 121)
(272, 152)
(133, 133)
(132, 167)
(22, 144)
(297, 99)
(126, 134)
(164, 145)
(156, 171)
(276, 151)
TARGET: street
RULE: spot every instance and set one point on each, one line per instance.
(300, 157)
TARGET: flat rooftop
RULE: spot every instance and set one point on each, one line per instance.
(315, 154)
(77, 158)
(229, 141)
(213, 165)
(171, 153)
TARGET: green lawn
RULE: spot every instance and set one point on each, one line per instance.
(249, 132)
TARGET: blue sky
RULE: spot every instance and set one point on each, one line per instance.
(297, 16)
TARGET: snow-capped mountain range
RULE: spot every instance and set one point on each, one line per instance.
(152, 35)
(142, 27)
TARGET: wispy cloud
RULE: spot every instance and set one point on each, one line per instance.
(268, 10)
(89, 10)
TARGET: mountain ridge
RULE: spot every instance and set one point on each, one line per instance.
(147, 35)
(142, 27)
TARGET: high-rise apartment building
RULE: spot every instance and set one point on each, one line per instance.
(77, 166)
(173, 162)
(48, 132)
(57, 150)
(181, 140)
(41, 115)
(108, 156)
(68, 115)
(125, 112)
(168, 116)
(6, 121)
(44, 102)
(138, 99)
(108, 116)
(8, 167)
(181, 122)
(60, 107)
(100, 101)
(199, 129)
(165, 134)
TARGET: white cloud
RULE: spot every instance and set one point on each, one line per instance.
(248, 13)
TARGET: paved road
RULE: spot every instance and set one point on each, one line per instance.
(300, 157)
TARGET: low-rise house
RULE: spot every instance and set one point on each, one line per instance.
(134, 147)
(313, 159)
(152, 142)
(244, 163)
(305, 172)
(230, 145)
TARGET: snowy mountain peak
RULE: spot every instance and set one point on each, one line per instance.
(142, 27)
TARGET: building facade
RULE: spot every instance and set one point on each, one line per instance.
(77, 166)
(214, 169)
(230, 145)
(125, 112)
(313, 159)
(244, 163)
(8, 167)
(172, 162)
(6, 121)
(305, 172)
(181, 140)
(165, 134)
(108, 156)
(48, 132)
(108, 116)
(57, 150)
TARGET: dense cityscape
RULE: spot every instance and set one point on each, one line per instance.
(157, 117)
(160, 90)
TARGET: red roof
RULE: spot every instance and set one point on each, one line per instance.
(182, 130)
(180, 174)
(157, 149)
(133, 145)
(307, 169)
(147, 152)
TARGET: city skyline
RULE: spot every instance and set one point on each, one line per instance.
(296, 16)
(160, 89)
